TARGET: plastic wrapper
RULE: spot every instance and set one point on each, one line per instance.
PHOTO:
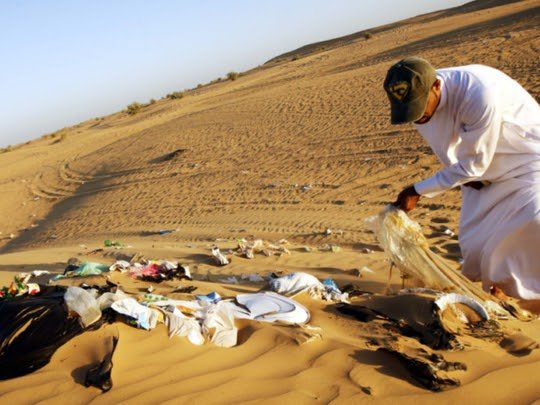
(406, 246)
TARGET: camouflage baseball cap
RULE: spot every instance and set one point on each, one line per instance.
(407, 85)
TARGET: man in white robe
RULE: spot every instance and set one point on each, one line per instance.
(485, 129)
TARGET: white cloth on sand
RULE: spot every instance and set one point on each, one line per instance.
(487, 128)
(272, 307)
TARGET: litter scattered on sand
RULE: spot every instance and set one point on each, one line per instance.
(407, 248)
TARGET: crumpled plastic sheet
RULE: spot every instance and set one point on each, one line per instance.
(145, 317)
(248, 248)
(215, 320)
(150, 270)
(207, 320)
(106, 299)
(219, 323)
(120, 265)
(179, 324)
(32, 328)
(406, 246)
(156, 271)
(296, 283)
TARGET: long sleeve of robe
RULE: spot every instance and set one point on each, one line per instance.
(487, 128)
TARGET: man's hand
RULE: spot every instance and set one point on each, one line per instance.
(407, 199)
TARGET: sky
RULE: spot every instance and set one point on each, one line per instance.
(66, 61)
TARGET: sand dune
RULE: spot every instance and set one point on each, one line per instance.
(296, 146)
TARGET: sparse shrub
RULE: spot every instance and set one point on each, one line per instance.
(232, 76)
(134, 108)
(63, 136)
(175, 95)
(152, 101)
(199, 85)
(368, 35)
(295, 57)
(8, 148)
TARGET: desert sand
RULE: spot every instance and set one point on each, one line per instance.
(290, 149)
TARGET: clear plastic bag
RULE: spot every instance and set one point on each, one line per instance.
(84, 304)
(406, 246)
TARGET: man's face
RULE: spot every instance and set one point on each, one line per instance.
(434, 97)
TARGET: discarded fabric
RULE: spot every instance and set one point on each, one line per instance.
(157, 271)
(120, 265)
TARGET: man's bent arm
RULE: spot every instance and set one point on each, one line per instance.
(480, 134)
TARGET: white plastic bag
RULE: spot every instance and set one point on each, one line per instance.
(84, 304)
(220, 320)
(403, 242)
(146, 317)
(181, 325)
(294, 283)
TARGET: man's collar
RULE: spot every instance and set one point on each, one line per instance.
(442, 101)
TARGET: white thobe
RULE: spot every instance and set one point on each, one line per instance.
(487, 128)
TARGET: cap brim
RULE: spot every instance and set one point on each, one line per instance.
(402, 113)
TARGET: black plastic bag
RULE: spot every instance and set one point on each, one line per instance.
(32, 328)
